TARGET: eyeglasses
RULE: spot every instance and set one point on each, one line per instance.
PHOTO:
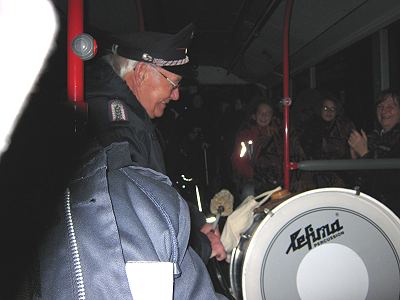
(387, 107)
(327, 108)
(173, 84)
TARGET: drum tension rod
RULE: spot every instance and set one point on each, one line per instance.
(357, 189)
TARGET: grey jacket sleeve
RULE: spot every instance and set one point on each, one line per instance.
(112, 215)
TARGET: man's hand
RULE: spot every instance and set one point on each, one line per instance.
(358, 143)
(214, 236)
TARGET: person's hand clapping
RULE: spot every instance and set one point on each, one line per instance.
(358, 143)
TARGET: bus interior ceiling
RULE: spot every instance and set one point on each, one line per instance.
(240, 41)
(245, 36)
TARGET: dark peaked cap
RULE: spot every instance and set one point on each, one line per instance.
(161, 49)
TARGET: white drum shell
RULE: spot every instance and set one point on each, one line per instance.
(265, 263)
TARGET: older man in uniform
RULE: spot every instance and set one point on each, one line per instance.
(130, 86)
(125, 230)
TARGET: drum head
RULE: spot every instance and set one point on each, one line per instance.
(325, 244)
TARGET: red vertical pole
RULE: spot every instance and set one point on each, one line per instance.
(286, 99)
(75, 63)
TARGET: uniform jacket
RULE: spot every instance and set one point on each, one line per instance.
(115, 115)
(114, 212)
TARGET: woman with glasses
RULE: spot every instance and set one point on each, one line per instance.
(325, 137)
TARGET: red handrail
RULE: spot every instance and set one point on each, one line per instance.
(75, 64)
(286, 101)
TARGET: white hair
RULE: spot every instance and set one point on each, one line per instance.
(120, 65)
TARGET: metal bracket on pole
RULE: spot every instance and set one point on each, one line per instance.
(287, 101)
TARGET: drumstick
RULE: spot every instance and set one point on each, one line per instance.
(219, 212)
(265, 196)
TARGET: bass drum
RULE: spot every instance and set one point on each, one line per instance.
(329, 243)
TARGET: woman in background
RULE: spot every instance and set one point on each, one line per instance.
(383, 142)
(257, 160)
(325, 137)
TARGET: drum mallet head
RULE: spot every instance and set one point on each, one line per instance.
(221, 205)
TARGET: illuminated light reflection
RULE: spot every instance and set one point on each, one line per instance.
(185, 178)
(211, 219)
(198, 199)
(242, 150)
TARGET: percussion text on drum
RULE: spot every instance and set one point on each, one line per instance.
(311, 236)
